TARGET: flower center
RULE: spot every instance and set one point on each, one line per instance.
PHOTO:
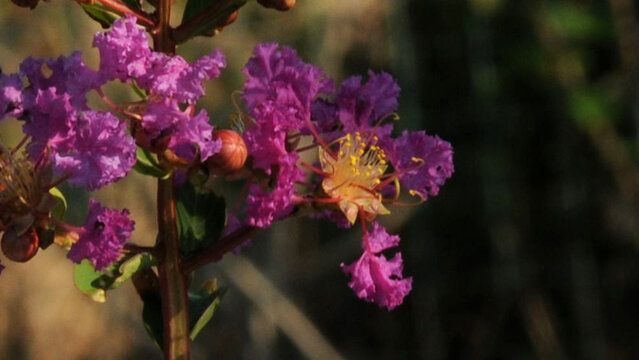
(354, 175)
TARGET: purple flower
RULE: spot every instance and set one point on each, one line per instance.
(69, 75)
(164, 122)
(265, 142)
(190, 85)
(174, 77)
(163, 73)
(281, 78)
(105, 232)
(10, 95)
(360, 107)
(375, 278)
(267, 205)
(124, 50)
(192, 135)
(99, 152)
(125, 55)
(51, 120)
(425, 162)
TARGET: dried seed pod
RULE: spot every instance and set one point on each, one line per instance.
(18, 247)
(233, 154)
(281, 5)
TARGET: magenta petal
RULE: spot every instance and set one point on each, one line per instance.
(378, 280)
(100, 151)
(105, 233)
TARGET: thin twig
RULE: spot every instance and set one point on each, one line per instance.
(216, 252)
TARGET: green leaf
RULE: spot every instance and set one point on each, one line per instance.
(147, 164)
(95, 283)
(202, 306)
(60, 207)
(201, 218)
(206, 27)
(132, 265)
(100, 13)
(84, 276)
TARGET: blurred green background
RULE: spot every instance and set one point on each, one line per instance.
(529, 251)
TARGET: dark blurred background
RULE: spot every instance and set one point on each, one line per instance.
(528, 252)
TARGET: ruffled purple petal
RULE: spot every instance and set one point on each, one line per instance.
(280, 77)
(375, 278)
(379, 240)
(378, 280)
(193, 134)
(191, 83)
(105, 232)
(360, 107)
(424, 161)
(124, 50)
(100, 152)
(164, 122)
(51, 120)
(267, 205)
(10, 96)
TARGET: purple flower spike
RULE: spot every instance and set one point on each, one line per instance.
(425, 161)
(105, 233)
(10, 95)
(100, 152)
(124, 50)
(375, 278)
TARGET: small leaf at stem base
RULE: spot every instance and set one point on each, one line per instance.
(95, 283)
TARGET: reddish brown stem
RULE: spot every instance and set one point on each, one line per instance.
(216, 252)
(173, 284)
(144, 19)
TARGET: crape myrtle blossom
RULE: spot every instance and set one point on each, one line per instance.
(375, 278)
(93, 148)
(172, 84)
(102, 236)
(361, 166)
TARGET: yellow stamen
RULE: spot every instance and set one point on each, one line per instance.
(350, 177)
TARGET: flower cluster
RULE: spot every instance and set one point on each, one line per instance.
(93, 148)
(293, 107)
(361, 166)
